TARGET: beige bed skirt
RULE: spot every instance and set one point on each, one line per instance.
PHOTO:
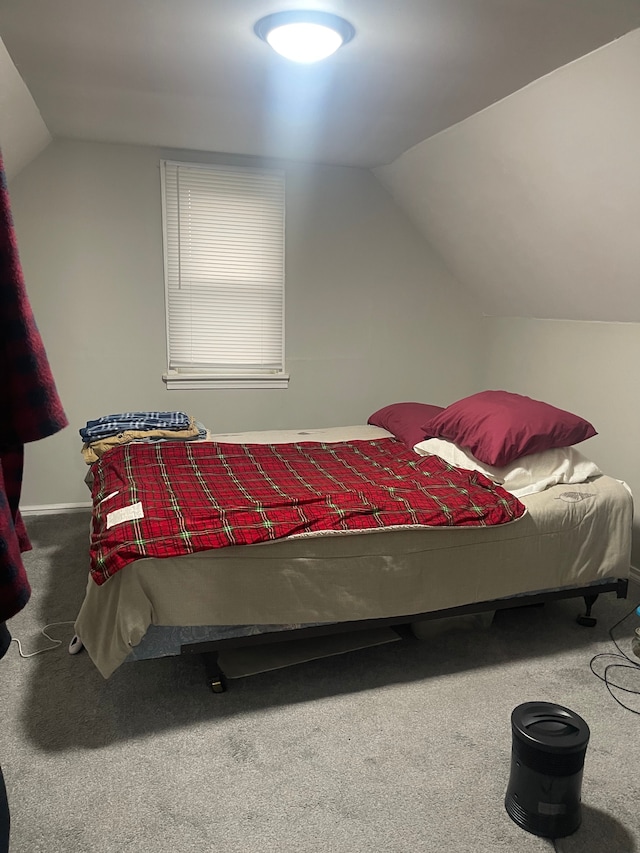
(571, 536)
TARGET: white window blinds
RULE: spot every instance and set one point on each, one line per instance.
(224, 269)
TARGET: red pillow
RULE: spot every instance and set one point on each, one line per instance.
(405, 420)
(498, 427)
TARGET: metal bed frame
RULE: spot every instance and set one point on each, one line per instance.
(211, 649)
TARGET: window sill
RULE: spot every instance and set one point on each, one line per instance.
(195, 381)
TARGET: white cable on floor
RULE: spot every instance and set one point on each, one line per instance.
(48, 636)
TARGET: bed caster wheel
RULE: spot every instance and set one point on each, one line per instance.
(215, 676)
(587, 619)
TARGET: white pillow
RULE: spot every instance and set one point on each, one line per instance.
(527, 475)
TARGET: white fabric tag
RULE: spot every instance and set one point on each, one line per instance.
(127, 513)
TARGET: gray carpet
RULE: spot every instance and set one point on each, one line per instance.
(399, 748)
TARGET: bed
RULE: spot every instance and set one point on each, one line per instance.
(572, 540)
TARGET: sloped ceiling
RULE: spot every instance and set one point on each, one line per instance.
(192, 74)
(525, 184)
(534, 203)
(23, 133)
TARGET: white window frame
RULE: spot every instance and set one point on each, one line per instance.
(180, 372)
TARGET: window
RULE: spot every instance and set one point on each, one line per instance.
(224, 276)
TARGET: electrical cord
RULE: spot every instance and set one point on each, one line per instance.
(626, 663)
(43, 631)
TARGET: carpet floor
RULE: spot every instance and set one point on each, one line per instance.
(398, 748)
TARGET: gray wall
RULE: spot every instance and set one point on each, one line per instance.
(23, 133)
(534, 203)
(372, 317)
(587, 368)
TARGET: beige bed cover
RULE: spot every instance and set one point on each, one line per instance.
(571, 536)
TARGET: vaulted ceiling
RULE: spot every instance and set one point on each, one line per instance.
(532, 214)
(192, 73)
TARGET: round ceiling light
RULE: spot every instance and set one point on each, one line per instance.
(304, 36)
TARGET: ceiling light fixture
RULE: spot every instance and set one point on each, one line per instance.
(304, 36)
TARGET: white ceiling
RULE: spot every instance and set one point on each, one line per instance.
(192, 74)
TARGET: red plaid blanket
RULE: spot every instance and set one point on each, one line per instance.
(197, 496)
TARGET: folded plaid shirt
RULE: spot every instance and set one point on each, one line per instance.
(113, 424)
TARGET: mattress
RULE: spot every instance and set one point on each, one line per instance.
(570, 536)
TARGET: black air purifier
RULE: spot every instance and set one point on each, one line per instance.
(547, 760)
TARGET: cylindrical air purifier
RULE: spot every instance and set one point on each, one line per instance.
(547, 759)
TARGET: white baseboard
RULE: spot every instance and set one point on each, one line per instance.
(54, 509)
(634, 574)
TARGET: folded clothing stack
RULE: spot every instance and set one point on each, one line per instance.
(110, 431)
